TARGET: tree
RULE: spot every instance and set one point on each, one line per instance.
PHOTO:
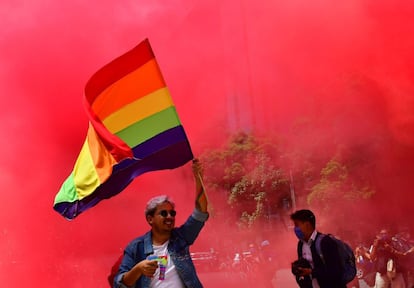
(343, 187)
(253, 176)
(245, 170)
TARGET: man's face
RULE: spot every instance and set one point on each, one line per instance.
(163, 221)
(383, 235)
(305, 227)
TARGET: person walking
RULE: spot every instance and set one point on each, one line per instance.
(310, 270)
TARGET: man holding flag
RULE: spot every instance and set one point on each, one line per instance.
(161, 257)
(134, 128)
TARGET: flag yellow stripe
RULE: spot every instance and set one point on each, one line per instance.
(138, 110)
(93, 166)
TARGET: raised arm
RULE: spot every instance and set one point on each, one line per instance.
(201, 202)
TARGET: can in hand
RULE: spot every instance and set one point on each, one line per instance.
(162, 264)
(162, 272)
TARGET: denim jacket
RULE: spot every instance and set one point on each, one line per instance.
(178, 247)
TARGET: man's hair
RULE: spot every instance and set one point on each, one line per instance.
(153, 203)
(304, 215)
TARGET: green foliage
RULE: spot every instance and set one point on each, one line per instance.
(336, 184)
(252, 176)
(245, 171)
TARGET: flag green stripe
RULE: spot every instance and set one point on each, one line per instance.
(149, 127)
(67, 192)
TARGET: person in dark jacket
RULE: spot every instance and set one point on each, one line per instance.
(322, 271)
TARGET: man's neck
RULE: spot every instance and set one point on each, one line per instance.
(159, 239)
(310, 235)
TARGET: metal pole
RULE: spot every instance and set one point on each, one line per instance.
(292, 191)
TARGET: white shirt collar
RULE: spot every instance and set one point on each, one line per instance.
(312, 237)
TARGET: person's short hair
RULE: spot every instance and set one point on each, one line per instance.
(304, 215)
(153, 203)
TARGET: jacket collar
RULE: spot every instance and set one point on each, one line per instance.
(148, 244)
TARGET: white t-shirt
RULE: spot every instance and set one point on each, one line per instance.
(171, 279)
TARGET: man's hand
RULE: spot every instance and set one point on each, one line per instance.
(305, 271)
(145, 267)
(148, 267)
(411, 250)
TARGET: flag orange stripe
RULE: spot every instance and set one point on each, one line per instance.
(144, 80)
(101, 157)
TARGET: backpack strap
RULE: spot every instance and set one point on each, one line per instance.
(318, 240)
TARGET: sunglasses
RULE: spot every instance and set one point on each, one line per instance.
(164, 213)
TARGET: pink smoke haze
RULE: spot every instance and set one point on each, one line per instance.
(346, 67)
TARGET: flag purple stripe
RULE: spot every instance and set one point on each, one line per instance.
(155, 144)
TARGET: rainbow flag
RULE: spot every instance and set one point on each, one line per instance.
(133, 128)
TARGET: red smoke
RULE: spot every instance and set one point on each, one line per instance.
(346, 67)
